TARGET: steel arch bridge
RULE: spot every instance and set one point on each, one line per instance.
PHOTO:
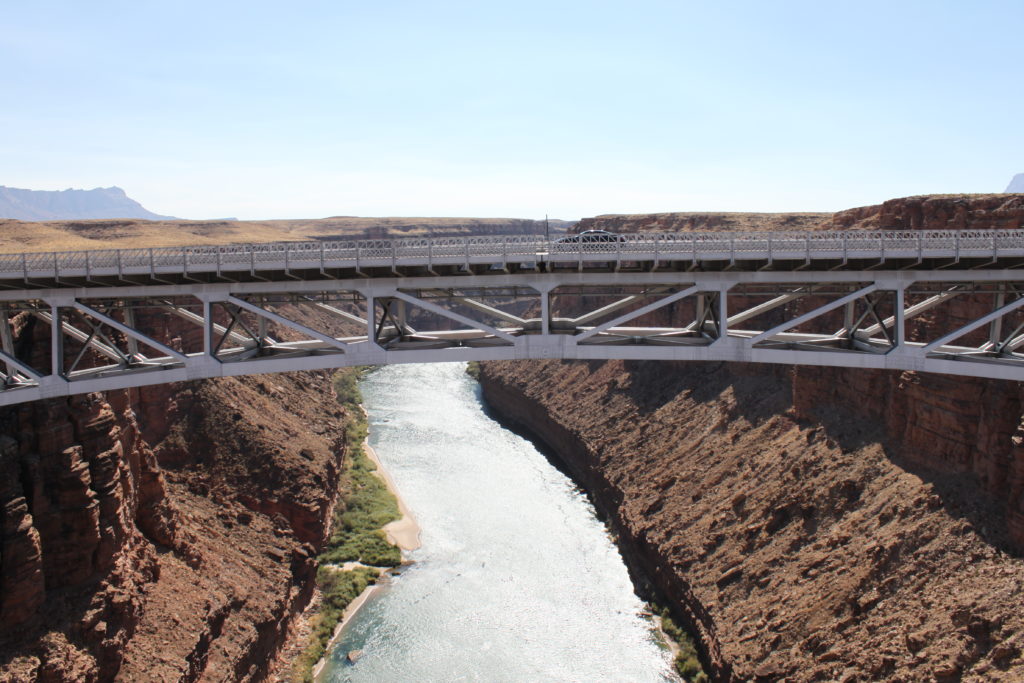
(935, 301)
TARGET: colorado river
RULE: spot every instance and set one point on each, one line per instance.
(516, 580)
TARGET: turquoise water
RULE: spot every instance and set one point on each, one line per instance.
(516, 580)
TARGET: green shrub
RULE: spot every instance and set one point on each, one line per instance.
(365, 506)
(346, 386)
(338, 589)
(687, 663)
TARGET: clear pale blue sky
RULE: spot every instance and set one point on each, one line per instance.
(307, 109)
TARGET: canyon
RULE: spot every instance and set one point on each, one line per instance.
(806, 524)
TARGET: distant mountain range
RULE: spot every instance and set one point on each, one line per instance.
(1017, 184)
(45, 205)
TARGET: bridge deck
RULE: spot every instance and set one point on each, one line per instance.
(372, 258)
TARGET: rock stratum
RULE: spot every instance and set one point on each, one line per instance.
(808, 524)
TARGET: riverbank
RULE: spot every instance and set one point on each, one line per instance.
(403, 532)
(370, 530)
(357, 549)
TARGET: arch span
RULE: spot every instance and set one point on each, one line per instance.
(949, 302)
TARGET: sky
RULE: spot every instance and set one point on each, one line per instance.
(510, 109)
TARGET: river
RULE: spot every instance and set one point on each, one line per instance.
(516, 579)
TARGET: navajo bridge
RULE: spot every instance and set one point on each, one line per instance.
(935, 301)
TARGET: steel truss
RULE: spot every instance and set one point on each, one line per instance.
(953, 314)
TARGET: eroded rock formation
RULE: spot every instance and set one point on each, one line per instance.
(164, 533)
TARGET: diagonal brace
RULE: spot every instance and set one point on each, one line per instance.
(77, 334)
(343, 314)
(496, 312)
(94, 334)
(821, 310)
(121, 327)
(757, 310)
(643, 310)
(984, 320)
(915, 310)
(21, 367)
(434, 308)
(281, 320)
(614, 306)
(188, 315)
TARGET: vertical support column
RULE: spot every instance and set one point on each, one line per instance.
(899, 315)
(701, 308)
(8, 339)
(848, 312)
(400, 316)
(371, 318)
(262, 329)
(545, 312)
(723, 313)
(995, 328)
(129, 320)
(207, 328)
(56, 342)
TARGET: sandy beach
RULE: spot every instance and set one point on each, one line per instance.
(404, 532)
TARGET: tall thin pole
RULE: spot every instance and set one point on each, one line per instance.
(547, 229)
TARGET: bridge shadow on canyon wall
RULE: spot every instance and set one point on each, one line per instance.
(961, 491)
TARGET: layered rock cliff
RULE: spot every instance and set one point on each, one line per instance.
(927, 212)
(703, 222)
(935, 212)
(809, 524)
(164, 533)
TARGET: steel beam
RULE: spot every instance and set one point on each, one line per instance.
(970, 327)
(281, 320)
(434, 308)
(821, 310)
(124, 329)
(643, 310)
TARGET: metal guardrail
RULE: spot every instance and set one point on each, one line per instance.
(830, 244)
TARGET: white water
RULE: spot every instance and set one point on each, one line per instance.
(516, 580)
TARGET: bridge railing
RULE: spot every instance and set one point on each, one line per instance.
(824, 244)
